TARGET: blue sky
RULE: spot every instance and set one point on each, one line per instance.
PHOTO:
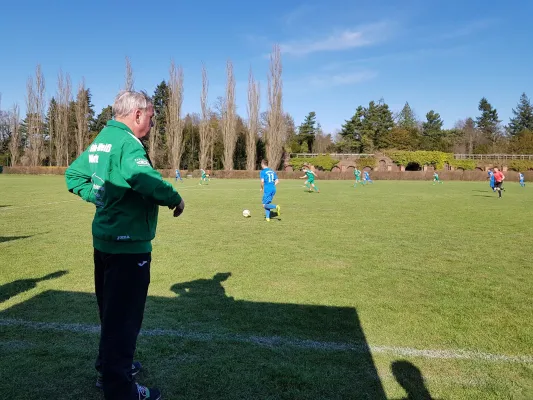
(441, 55)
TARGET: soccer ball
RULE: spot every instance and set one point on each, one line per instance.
(246, 213)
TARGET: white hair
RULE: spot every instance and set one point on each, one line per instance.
(128, 101)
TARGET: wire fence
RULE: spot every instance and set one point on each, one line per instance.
(339, 156)
(342, 156)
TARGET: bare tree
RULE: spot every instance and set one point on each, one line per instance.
(254, 96)
(275, 132)
(229, 134)
(205, 127)
(52, 130)
(130, 81)
(153, 142)
(61, 115)
(174, 123)
(14, 126)
(82, 115)
(470, 137)
(35, 105)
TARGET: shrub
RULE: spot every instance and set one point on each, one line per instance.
(467, 165)
(366, 162)
(323, 162)
(435, 158)
(521, 165)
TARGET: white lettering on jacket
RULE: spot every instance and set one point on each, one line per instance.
(106, 148)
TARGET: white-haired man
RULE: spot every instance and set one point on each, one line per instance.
(116, 175)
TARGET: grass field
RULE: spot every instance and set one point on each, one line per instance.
(365, 293)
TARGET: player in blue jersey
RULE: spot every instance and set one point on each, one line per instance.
(490, 174)
(269, 180)
(366, 178)
(521, 179)
(178, 176)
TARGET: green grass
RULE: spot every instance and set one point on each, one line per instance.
(397, 264)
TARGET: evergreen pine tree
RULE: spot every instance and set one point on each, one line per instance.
(523, 117)
(488, 122)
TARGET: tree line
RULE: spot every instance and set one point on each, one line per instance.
(55, 132)
(375, 127)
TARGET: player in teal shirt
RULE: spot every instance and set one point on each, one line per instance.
(436, 178)
(357, 174)
(310, 182)
(269, 181)
(204, 178)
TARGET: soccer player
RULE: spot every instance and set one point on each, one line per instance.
(366, 177)
(491, 179)
(204, 178)
(310, 182)
(436, 178)
(499, 177)
(521, 179)
(178, 176)
(269, 181)
(357, 174)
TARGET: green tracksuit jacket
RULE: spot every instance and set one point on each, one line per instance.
(116, 175)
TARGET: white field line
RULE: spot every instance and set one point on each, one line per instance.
(36, 205)
(276, 341)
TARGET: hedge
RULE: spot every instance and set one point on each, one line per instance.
(35, 170)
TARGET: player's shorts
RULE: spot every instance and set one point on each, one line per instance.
(498, 184)
(268, 197)
(311, 181)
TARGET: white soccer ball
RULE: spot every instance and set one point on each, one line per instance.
(246, 213)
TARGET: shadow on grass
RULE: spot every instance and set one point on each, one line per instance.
(203, 344)
(23, 285)
(5, 205)
(411, 380)
(484, 195)
(10, 238)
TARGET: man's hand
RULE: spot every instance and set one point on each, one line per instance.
(178, 209)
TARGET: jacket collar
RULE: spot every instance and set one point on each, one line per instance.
(124, 127)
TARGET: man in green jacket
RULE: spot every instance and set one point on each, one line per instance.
(116, 175)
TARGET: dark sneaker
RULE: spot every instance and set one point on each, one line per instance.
(136, 367)
(148, 394)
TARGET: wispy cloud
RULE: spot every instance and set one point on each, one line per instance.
(341, 79)
(469, 28)
(326, 81)
(348, 39)
(298, 13)
(413, 55)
